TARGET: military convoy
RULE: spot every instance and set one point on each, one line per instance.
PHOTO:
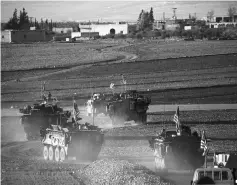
(174, 148)
(127, 106)
(60, 136)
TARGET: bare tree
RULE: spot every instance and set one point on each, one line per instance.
(231, 12)
(210, 15)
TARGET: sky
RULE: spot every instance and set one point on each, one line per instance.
(112, 10)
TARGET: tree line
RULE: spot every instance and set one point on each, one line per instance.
(24, 22)
(230, 12)
(145, 20)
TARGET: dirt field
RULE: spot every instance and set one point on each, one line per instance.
(209, 79)
(91, 67)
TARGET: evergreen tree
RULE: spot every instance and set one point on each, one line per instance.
(24, 23)
(37, 26)
(139, 21)
(146, 21)
(151, 16)
(41, 24)
(46, 24)
(13, 22)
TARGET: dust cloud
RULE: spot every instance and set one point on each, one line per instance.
(11, 128)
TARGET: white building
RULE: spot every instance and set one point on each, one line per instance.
(104, 29)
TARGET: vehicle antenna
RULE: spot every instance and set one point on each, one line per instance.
(164, 117)
(93, 117)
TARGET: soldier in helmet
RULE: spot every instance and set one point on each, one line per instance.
(49, 96)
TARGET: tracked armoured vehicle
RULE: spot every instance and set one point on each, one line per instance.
(83, 141)
(177, 151)
(40, 115)
(128, 106)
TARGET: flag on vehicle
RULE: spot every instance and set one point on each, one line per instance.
(176, 119)
(76, 111)
(43, 87)
(204, 143)
(111, 86)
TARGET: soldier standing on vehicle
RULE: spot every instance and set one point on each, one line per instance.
(49, 96)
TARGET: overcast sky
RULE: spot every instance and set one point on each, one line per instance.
(111, 10)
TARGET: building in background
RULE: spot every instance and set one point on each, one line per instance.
(62, 30)
(221, 21)
(104, 29)
(23, 36)
(6, 36)
(166, 25)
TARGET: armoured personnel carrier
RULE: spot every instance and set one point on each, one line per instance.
(177, 150)
(97, 104)
(83, 141)
(128, 106)
(41, 114)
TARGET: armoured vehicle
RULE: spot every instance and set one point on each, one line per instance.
(97, 104)
(41, 114)
(177, 150)
(73, 139)
(216, 176)
(128, 106)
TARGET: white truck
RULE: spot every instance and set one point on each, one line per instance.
(218, 176)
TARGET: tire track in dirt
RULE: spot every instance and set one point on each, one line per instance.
(124, 57)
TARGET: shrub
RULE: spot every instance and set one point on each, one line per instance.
(163, 34)
(97, 37)
(157, 33)
(120, 36)
(109, 36)
(131, 35)
(229, 33)
(139, 36)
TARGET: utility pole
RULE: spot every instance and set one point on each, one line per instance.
(174, 11)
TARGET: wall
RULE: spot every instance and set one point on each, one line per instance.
(28, 36)
(62, 30)
(6, 36)
(104, 29)
(159, 25)
(89, 34)
(187, 27)
(75, 34)
(222, 24)
(172, 26)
